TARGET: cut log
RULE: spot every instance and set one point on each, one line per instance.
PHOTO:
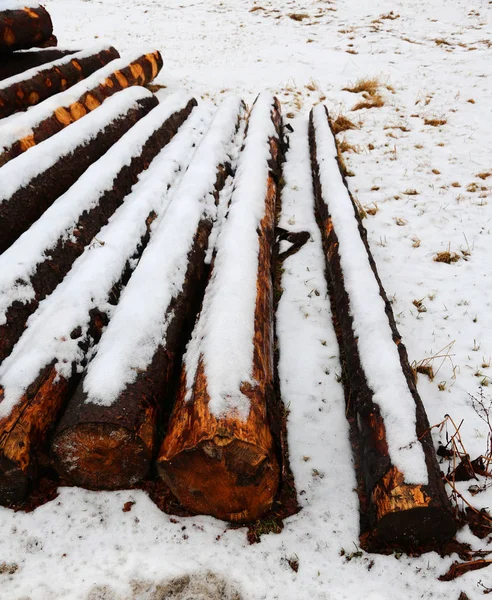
(19, 132)
(34, 265)
(33, 86)
(37, 378)
(24, 28)
(18, 62)
(30, 183)
(106, 438)
(218, 456)
(404, 502)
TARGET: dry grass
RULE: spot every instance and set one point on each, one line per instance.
(435, 122)
(375, 101)
(371, 209)
(342, 123)
(370, 86)
(446, 257)
(298, 16)
(436, 171)
(411, 192)
(484, 175)
(442, 42)
(472, 187)
(345, 146)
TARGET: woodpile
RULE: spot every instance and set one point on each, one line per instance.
(25, 28)
(18, 62)
(404, 501)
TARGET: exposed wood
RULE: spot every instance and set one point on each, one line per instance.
(24, 28)
(58, 259)
(111, 446)
(392, 511)
(30, 201)
(50, 79)
(18, 62)
(227, 466)
(140, 71)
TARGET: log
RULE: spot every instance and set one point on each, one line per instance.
(31, 87)
(402, 494)
(218, 456)
(22, 131)
(45, 365)
(107, 436)
(33, 181)
(24, 28)
(34, 265)
(18, 62)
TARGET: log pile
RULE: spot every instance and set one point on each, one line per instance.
(404, 501)
(38, 377)
(218, 456)
(107, 436)
(18, 62)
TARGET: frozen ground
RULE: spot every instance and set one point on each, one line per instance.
(432, 60)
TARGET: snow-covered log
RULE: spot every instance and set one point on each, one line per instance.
(30, 183)
(107, 436)
(21, 131)
(26, 27)
(36, 263)
(404, 501)
(18, 62)
(45, 365)
(35, 85)
(218, 456)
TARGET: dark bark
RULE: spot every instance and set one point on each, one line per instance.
(24, 28)
(393, 512)
(28, 203)
(18, 62)
(59, 258)
(50, 80)
(139, 72)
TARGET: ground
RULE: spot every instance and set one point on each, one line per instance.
(421, 164)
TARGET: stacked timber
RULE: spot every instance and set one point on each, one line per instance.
(18, 62)
(108, 433)
(404, 501)
(218, 456)
(35, 85)
(37, 378)
(24, 26)
(22, 131)
(30, 183)
(39, 260)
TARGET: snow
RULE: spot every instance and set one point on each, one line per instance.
(224, 341)
(17, 4)
(26, 75)
(19, 262)
(139, 324)
(378, 353)
(21, 125)
(17, 173)
(88, 284)
(81, 546)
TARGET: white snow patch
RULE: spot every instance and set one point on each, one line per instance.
(20, 171)
(139, 324)
(17, 4)
(225, 329)
(18, 263)
(93, 274)
(378, 353)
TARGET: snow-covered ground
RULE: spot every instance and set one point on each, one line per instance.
(432, 61)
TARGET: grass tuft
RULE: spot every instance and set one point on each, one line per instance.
(435, 122)
(342, 123)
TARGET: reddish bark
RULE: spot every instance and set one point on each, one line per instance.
(24, 28)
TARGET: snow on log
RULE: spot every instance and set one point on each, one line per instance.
(218, 456)
(22, 131)
(405, 502)
(107, 436)
(24, 27)
(31, 87)
(18, 62)
(36, 263)
(30, 183)
(45, 365)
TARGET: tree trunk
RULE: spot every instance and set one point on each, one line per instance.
(27, 203)
(50, 79)
(58, 259)
(18, 62)
(138, 72)
(226, 465)
(111, 446)
(24, 28)
(392, 511)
